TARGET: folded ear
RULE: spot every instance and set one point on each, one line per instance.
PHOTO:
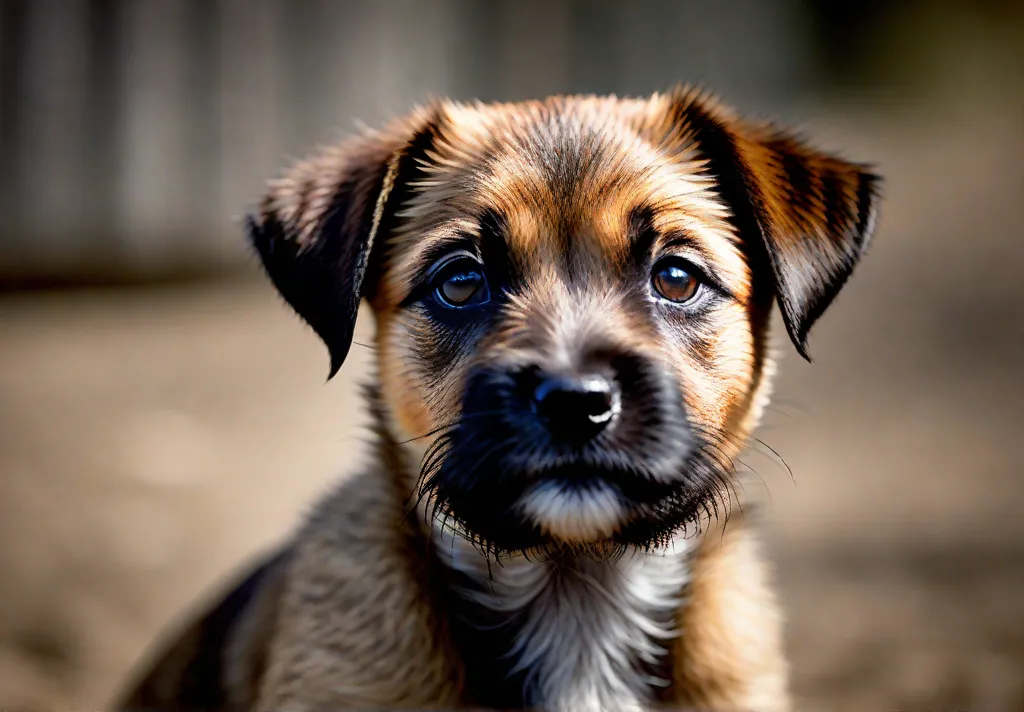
(813, 213)
(318, 227)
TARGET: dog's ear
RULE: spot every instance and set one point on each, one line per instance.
(810, 214)
(318, 229)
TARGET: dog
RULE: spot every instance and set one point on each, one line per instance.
(572, 301)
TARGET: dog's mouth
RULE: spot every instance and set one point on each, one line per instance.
(574, 505)
(501, 477)
(499, 481)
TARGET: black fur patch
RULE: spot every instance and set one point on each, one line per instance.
(667, 471)
(190, 675)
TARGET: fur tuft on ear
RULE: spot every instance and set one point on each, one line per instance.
(813, 213)
(316, 227)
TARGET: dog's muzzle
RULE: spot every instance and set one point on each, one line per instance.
(541, 457)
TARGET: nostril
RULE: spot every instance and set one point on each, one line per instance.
(576, 408)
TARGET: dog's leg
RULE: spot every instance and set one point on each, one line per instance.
(730, 654)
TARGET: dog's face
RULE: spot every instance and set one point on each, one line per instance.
(572, 298)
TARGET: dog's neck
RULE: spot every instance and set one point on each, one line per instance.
(571, 632)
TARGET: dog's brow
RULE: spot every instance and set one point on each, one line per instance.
(441, 247)
(680, 238)
(640, 232)
(492, 224)
(489, 237)
(496, 251)
(492, 232)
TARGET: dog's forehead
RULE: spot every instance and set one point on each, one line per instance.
(571, 165)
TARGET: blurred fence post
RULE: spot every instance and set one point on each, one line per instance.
(156, 109)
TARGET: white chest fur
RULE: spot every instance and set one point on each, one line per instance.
(585, 630)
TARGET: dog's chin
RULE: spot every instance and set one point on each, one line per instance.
(568, 514)
(593, 516)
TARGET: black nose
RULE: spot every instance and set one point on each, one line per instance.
(576, 409)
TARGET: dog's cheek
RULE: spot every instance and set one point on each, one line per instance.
(423, 367)
(401, 391)
(715, 368)
(735, 353)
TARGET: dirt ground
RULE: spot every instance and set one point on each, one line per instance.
(151, 440)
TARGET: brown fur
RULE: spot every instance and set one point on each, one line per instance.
(359, 610)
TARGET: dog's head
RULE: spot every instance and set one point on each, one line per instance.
(572, 297)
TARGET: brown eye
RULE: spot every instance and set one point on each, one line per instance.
(461, 284)
(675, 280)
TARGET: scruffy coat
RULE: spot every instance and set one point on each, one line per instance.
(415, 584)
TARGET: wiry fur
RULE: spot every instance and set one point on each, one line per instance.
(613, 616)
(477, 560)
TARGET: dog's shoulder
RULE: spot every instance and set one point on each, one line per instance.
(352, 555)
(358, 622)
(218, 659)
(729, 653)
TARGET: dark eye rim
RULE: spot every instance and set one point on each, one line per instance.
(693, 270)
(460, 262)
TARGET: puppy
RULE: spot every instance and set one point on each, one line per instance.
(572, 302)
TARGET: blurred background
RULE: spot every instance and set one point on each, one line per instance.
(163, 417)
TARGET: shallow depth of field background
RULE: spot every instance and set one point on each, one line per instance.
(163, 416)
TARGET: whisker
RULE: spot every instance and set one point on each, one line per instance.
(777, 411)
(793, 404)
(777, 455)
(435, 431)
(451, 425)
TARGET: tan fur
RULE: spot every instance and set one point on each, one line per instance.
(729, 653)
(363, 607)
(360, 631)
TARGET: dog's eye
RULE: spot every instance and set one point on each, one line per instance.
(461, 283)
(675, 279)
